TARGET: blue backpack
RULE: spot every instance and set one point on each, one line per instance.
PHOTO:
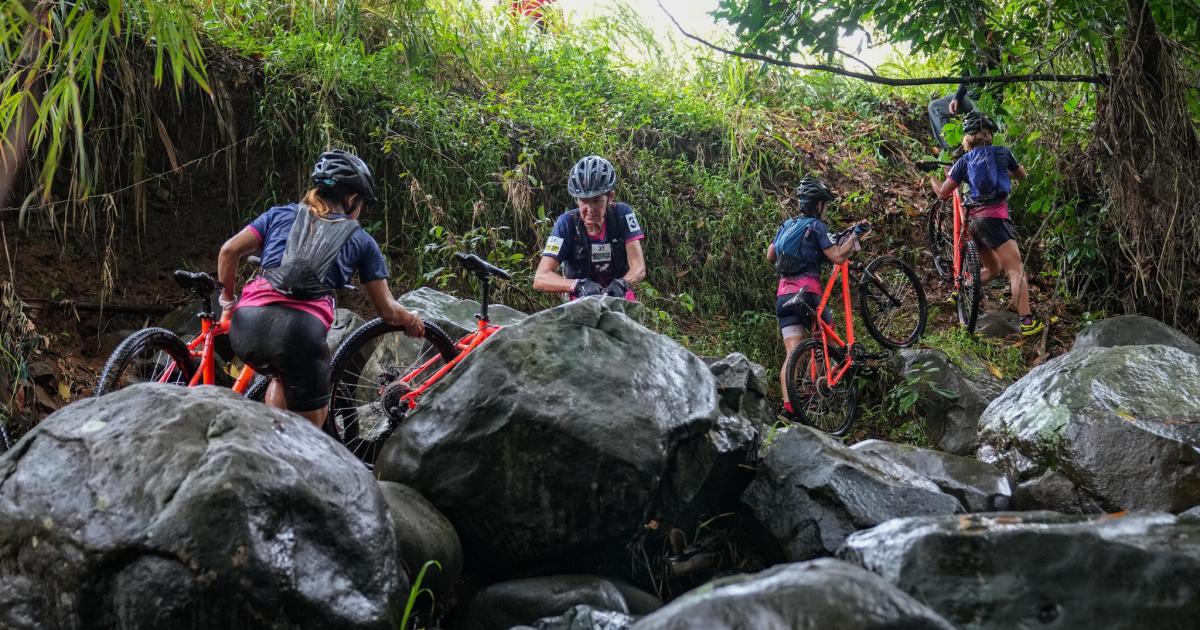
(790, 257)
(988, 181)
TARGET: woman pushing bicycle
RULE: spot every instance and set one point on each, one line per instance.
(989, 170)
(309, 249)
(800, 248)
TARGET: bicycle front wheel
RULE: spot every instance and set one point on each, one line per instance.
(892, 302)
(937, 236)
(152, 355)
(831, 409)
(970, 287)
(372, 369)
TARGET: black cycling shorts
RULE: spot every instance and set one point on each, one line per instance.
(797, 314)
(283, 342)
(992, 233)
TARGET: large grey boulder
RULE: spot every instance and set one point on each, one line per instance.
(160, 507)
(455, 315)
(822, 593)
(810, 492)
(979, 487)
(570, 431)
(949, 399)
(1042, 569)
(345, 322)
(1133, 330)
(1122, 424)
(583, 617)
(527, 601)
(422, 535)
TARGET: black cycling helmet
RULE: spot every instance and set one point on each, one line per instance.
(813, 189)
(339, 168)
(591, 177)
(976, 120)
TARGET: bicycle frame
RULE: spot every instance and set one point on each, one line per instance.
(960, 235)
(484, 329)
(828, 332)
(203, 349)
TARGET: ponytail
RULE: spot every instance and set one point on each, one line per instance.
(322, 205)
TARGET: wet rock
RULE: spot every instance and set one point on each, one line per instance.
(584, 618)
(741, 386)
(822, 593)
(1052, 490)
(979, 487)
(811, 492)
(998, 324)
(1121, 423)
(423, 534)
(950, 400)
(571, 431)
(164, 507)
(1133, 330)
(507, 604)
(345, 322)
(455, 315)
(1042, 569)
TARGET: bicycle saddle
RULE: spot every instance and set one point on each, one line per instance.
(479, 266)
(197, 281)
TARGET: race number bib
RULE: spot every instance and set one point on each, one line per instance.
(631, 221)
(601, 252)
(553, 245)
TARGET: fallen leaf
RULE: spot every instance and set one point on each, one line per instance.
(64, 391)
(995, 371)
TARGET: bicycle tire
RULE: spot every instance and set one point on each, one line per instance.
(125, 356)
(257, 391)
(938, 238)
(354, 390)
(970, 288)
(880, 299)
(830, 410)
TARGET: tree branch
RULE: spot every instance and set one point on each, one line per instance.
(871, 78)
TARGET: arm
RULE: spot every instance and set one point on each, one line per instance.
(771, 253)
(839, 253)
(392, 311)
(1019, 173)
(637, 262)
(944, 189)
(241, 244)
(548, 279)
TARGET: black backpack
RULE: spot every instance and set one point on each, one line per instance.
(312, 247)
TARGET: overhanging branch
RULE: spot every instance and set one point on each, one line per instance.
(873, 78)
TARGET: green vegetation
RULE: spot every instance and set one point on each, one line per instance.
(471, 119)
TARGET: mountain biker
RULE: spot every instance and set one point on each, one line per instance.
(963, 101)
(800, 249)
(309, 249)
(989, 171)
(598, 243)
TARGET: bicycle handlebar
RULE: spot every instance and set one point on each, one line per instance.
(929, 166)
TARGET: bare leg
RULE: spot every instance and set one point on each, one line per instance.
(990, 263)
(274, 398)
(789, 343)
(1009, 255)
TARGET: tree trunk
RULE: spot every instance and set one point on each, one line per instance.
(14, 147)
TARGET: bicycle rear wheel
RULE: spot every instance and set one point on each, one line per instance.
(937, 236)
(367, 374)
(152, 355)
(892, 302)
(970, 287)
(830, 409)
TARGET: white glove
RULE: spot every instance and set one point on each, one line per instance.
(227, 304)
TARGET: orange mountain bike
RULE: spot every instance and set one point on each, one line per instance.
(379, 375)
(158, 355)
(820, 372)
(955, 254)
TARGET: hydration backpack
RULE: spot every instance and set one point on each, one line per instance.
(580, 263)
(790, 256)
(312, 247)
(987, 183)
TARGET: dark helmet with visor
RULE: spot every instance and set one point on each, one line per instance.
(345, 170)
